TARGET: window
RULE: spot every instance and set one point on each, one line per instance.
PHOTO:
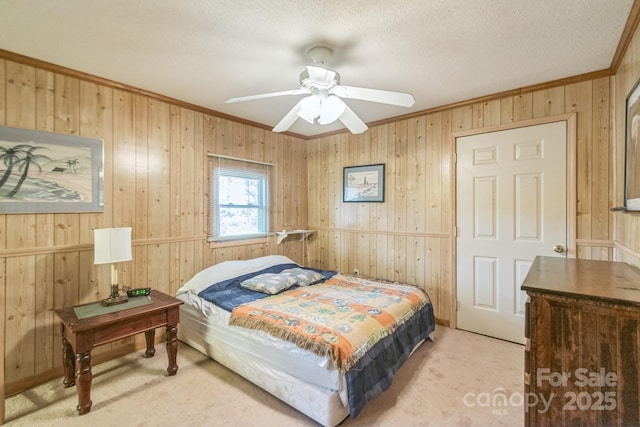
(239, 199)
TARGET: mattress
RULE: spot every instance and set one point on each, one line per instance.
(309, 382)
(304, 380)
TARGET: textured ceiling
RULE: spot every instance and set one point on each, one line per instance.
(206, 51)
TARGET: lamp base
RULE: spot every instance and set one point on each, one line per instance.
(120, 299)
(114, 297)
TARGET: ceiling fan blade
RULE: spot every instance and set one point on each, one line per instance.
(375, 95)
(289, 118)
(320, 75)
(268, 95)
(352, 121)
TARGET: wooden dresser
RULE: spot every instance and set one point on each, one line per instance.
(583, 332)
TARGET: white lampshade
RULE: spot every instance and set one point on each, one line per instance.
(112, 245)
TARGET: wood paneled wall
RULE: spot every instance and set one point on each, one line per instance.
(155, 180)
(626, 225)
(410, 237)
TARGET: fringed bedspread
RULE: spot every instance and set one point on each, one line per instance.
(341, 318)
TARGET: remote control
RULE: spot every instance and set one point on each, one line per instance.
(139, 292)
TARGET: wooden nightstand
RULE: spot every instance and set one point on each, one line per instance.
(80, 336)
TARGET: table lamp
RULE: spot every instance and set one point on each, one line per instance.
(112, 245)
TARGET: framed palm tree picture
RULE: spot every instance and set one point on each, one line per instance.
(45, 172)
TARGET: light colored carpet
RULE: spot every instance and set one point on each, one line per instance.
(429, 390)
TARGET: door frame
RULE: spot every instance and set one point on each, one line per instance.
(572, 196)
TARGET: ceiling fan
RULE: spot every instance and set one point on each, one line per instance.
(325, 93)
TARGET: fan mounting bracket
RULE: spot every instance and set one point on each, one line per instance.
(319, 54)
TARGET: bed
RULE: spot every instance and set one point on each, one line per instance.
(226, 316)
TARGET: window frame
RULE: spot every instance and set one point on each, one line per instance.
(239, 168)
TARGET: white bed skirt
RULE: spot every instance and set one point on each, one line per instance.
(321, 395)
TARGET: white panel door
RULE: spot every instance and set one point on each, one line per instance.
(510, 207)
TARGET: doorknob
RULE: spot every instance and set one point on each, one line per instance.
(558, 248)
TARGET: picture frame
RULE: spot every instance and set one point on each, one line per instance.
(632, 150)
(363, 183)
(46, 172)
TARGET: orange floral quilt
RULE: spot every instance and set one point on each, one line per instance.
(341, 318)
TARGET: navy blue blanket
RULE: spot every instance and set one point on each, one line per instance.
(374, 372)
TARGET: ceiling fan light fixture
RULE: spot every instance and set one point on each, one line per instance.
(310, 108)
(331, 108)
(324, 96)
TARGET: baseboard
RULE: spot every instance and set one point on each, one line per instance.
(443, 322)
(21, 385)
